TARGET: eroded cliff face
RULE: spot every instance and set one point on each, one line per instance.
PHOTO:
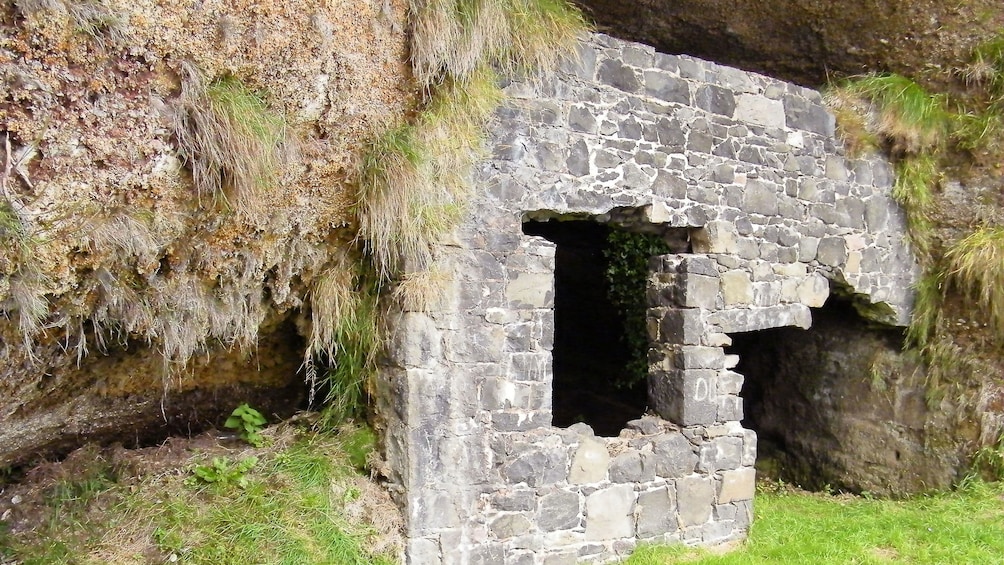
(130, 293)
(806, 42)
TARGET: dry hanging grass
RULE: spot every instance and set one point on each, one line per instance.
(454, 38)
(976, 267)
(234, 144)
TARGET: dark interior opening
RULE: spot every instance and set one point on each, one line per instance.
(590, 358)
(802, 386)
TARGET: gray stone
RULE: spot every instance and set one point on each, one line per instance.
(565, 558)
(632, 467)
(518, 500)
(590, 462)
(760, 198)
(832, 251)
(695, 498)
(738, 484)
(619, 76)
(656, 512)
(760, 110)
(667, 87)
(578, 159)
(536, 468)
(674, 456)
(510, 525)
(809, 116)
(720, 454)
(609, 513)
(559, 511)
(715, 99)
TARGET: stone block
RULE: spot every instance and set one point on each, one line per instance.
(722, 453)
(699, 357)
(609, 513)
(737, 484)
(736, 288)
(716, 237)
(806, 115)
(717, 531)
(656, 512)
(564, 558)
(760, 110)
(673, 456)
(685, 398)
(730, 409)
(632, 467)
(682, 326)
(666, 87)
(510, 525)
(619, 76)
(423, 551)
(514, 500)
(832, 251)
(530, 290)
(716, 100)
(537, 467)
(749, 448)
(695, 499)
(417, 341)
(559, 511)
(697, 291)
(807, 247)
(485, 554)
(814, 290)
(760, 198)
(589, 465)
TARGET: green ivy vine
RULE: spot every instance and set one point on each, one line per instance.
(627, 256)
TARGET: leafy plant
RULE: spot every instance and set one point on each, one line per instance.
(627, 255)
(249, 423)
(222, 472)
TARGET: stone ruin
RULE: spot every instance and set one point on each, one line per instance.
(744, 173)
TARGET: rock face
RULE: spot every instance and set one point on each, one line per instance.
(806, 42)
(841, 405)
(133, 241)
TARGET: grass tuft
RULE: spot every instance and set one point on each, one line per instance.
(415, 179)
(345, 339)
(916, 178)
(909, 119)
(235, 145)
(455, 38)
(975, 265)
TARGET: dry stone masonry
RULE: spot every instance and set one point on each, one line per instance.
(777, 216)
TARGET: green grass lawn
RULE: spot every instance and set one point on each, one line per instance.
(966, 526)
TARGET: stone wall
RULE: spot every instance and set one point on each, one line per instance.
(777, 215)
